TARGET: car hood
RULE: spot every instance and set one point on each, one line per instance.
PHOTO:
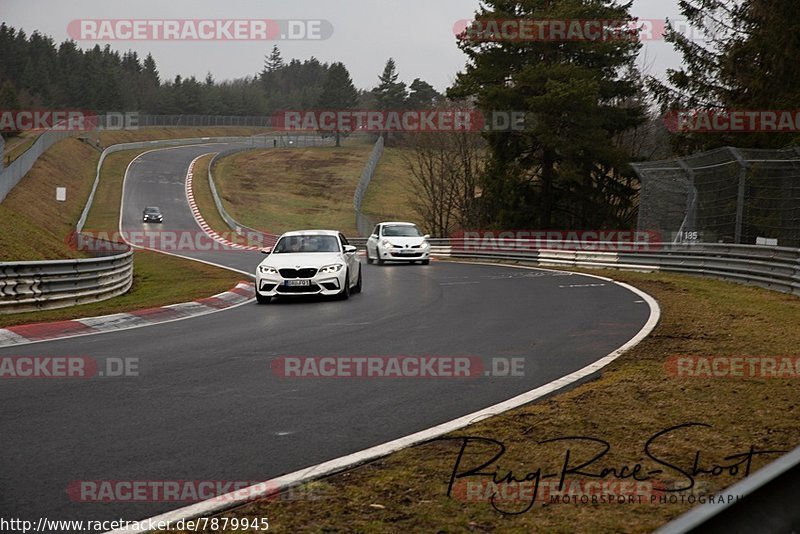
(403, 241)
(306, 259)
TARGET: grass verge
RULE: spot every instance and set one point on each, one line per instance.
(390, 195)
(33, 224)
(633, 399)
(16, 146)
(277, 190)
(285, 189)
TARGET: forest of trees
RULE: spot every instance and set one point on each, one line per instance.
(35, 72)
(590, 110)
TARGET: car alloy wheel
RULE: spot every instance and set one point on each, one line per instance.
(345, 293)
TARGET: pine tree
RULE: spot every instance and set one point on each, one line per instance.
(338, 92)
(390, 94)
(744, 58)
(562, 169)
(422, 95)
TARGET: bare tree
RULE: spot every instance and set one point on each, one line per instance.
(445, 169)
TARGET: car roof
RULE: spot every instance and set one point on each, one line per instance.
(397, 223)
(333, 233)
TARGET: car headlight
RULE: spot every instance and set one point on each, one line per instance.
(266, 269)
(386, 243)
(332, 268)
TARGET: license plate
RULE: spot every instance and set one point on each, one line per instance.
(295, 283)
(407, 252)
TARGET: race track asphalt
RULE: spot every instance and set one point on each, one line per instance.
(207, 406)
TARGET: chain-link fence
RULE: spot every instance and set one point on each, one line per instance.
(364, 224)
(150, 121)
(727, 195)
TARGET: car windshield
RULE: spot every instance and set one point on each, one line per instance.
(307, 243)
(152, 211)
(401, 231)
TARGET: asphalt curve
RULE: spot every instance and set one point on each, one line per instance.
(207, 406)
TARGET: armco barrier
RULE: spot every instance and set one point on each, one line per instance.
(776, 268)
(44, 285)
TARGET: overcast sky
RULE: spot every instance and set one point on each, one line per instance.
(417, 33)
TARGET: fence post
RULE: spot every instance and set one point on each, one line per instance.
(740, 195)
(690, 220)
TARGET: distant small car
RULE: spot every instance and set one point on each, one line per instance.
(152, 214)
(398, 241)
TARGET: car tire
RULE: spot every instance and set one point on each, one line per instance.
(378, 259)
(369, 259)
(344, 294)
(261, 299)
(357, 288)
(425, 262)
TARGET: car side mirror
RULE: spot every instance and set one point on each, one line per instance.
(349, 249)
(374, 236)
(426, 236)
(266, 250)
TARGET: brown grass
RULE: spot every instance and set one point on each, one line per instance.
(390, 195)
(277, 190)
(33, 225)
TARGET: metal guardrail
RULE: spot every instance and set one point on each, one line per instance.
(262, 238)
(44, 285)
(765, 501)
(776, 268)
